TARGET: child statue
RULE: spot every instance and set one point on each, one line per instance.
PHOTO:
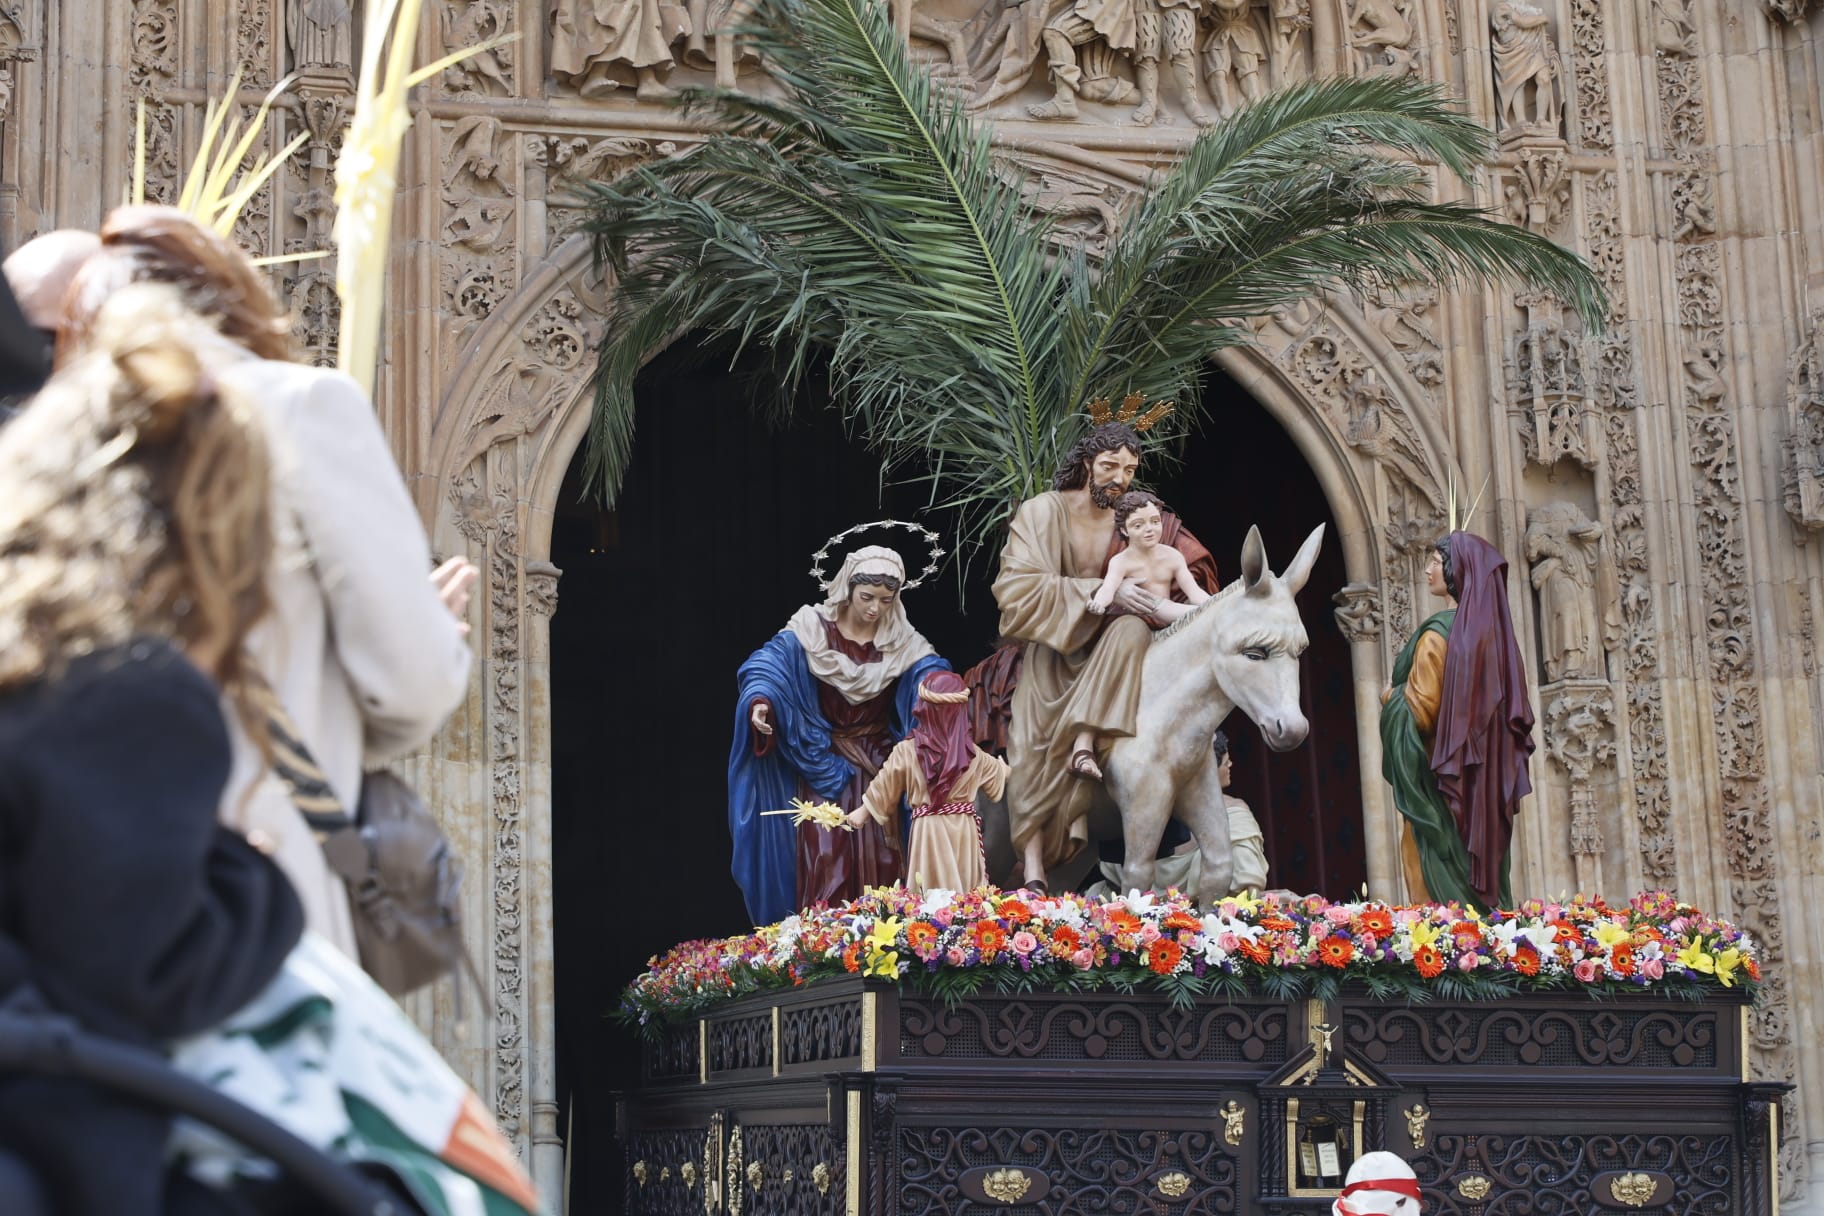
(1159, 569)
(1456, 730)
(939, 770)
(819, 708)
(1379, 1184)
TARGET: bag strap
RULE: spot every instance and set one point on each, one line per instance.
(308, 785)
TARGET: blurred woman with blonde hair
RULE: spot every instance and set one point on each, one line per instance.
(135, 533)
(365, 649)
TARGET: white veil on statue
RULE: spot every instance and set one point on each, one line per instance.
(899, 644)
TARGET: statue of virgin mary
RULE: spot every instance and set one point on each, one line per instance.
(821, 705)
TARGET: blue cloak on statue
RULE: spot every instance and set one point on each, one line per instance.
(765, 848)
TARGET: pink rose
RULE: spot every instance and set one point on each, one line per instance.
(958, 956)
(1337, 914)
(1083, 959)
(1228, 942)
(1653, 969)
(1469, 962)
(1585, 971)
(1149, 933)
(1024, 942)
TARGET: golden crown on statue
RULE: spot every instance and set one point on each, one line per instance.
(1129, 414)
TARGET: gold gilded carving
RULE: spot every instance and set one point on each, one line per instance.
(1633, 1189)
(820, 1177)
(785, 1178)
(756, 1174)
(1175, 1185)
(639, 1173)
(687, 1171)
(1416, 1119)
(731, 1191)
(712, 1166)
(1474, 1188)
(1006, 1185)
(1234, 1122)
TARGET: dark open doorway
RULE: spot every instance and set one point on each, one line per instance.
(706, 556)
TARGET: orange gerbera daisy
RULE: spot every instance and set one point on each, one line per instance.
(1182, 920)
(1014, 911)
(989, 938)
(1164, 955)
(1754, 970)
(1378, 921)
(920, 935)
(851, 957)
(1278, 924)
(1255, 952)
(1621, 959)
(1120, 920)
(1335, 951)
(1429, 962)
(1526, 961)
(1065, 940)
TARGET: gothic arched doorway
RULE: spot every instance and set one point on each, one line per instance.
(705, 556)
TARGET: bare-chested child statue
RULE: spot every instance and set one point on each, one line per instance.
(1158, 569)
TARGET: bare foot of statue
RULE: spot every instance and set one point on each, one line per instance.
(1146, 114)
(1064, 105)
(597, 84)
(651, 89)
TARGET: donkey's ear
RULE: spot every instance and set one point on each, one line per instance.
(1300, 569)
(1254, 569)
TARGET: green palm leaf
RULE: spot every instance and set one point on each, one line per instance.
(860, 217)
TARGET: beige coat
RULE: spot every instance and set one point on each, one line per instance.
(364, 655)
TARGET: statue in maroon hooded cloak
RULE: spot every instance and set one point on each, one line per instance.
(1456, 730)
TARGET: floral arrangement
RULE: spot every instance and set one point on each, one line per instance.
(956, 943)
(826, 815)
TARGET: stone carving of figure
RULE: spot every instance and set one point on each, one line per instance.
(1113, 23)
(1382, 34)
(1234, 55)
(1291, 27)
(1674, 30)
(595, 44)
(821, 706)
(1168, 29)
(1456, 731)
(1562, 548)
(1526, 66)
(321, 34)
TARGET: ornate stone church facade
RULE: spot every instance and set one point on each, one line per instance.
(1657, 487)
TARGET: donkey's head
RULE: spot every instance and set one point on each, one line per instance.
(1258, 640)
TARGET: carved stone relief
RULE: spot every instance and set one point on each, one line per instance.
(1589, 49)
(15, 49)
(320, 34)
(598, 49)
(1568, 569)
(476, 262)
(1536, 191)
(1547, 384)
(465, 23)
(1793, 11)
(1527, 70)
(1804, 446)
(1358, 611)
(253, 32)
(1408, 319)
(1578, 730)
(1717, 509)
(1384, 37)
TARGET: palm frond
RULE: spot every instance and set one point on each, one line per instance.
(860, 215)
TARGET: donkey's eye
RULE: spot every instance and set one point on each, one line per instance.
(1258, 654)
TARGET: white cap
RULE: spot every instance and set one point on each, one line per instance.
(1379, 1184)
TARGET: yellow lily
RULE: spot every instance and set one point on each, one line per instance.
(1726, 963)
(1609, 935)
(884, 963)
(1694, 957)
(885, 935)
(1423, 934)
